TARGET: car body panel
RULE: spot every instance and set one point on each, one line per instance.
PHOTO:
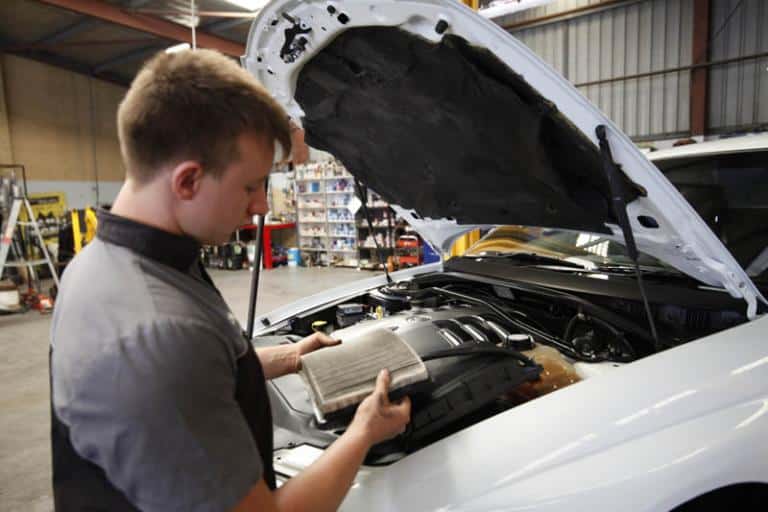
(645, 436)
(682, 239)
(743, 144)
(277, 317)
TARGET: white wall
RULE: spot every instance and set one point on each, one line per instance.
(79, 194)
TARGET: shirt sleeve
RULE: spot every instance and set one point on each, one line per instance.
(159, 416)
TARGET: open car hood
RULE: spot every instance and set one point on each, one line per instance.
(444, 113)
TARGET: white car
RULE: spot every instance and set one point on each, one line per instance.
(630, 394)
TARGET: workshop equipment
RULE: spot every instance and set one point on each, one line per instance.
(84, 223)
(11, 240)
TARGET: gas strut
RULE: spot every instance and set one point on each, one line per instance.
(618, 200)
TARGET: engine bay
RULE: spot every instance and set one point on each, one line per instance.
(505, 345)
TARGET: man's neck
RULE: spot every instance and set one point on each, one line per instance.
(146, 204)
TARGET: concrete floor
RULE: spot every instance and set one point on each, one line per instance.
(25, 468)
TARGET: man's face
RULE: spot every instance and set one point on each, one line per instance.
(226, 202)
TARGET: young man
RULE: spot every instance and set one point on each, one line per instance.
(158, 401)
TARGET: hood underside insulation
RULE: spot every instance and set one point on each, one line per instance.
(449, 130)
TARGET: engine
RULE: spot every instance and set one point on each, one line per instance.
(506, 346)
(496, 366)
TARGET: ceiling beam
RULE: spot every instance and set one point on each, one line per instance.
(144, 23)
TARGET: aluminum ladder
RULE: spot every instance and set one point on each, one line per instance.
(9, 228)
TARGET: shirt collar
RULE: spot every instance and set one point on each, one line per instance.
(176, 251)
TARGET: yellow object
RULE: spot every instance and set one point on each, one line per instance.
(319, 325)
(47, 203)
(379, 312)
(556, 373)
(84, 223)
(474, 4)
(464, 242)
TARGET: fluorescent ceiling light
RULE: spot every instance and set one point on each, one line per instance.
(178, 48)
(501, 8)
(251, 5)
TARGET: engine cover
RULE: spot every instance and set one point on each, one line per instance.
(458, 386)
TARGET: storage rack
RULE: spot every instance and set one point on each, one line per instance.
(326, 227)
(382, 218)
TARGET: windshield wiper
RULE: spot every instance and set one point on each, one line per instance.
(630, 269)
(528, 257)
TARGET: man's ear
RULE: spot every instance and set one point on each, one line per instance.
(186, 178)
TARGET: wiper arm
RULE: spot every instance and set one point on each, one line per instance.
(630, 269)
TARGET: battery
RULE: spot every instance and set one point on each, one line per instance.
(349, 314)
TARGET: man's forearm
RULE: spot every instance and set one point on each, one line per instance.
(284, 359)
(322, 486)
(279, 360)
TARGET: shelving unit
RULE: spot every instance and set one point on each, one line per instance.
(382, 220)
(326, 227)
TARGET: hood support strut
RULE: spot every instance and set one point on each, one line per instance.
(619, 203)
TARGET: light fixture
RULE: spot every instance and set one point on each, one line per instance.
(250, 5)
(500, 8)
(178, 48)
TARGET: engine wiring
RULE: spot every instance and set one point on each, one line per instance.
(530, 326)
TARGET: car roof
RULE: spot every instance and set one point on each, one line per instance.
(758, 142)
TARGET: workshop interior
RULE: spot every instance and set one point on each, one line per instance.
(546, 219)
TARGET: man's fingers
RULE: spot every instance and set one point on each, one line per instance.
(382, 386)
(403, 407)
(320, 340)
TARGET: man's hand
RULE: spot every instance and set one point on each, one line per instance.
(286, 358)
(377, 419)
(311, 343)
(322, 486)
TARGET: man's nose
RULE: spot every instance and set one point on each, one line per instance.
(258, 206)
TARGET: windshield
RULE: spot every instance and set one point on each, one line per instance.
(589, 250)
(730, 192)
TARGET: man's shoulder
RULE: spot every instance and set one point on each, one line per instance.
(111, 296)
(150, 353)
(115, 279)
(99, 264)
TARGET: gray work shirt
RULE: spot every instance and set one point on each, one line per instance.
(144, 363)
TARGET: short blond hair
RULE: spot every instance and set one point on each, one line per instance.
(193, 105)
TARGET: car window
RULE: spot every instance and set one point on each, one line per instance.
(730, 192)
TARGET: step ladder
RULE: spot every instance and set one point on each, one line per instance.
(10, 225)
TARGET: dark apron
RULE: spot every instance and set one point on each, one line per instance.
(80, 485)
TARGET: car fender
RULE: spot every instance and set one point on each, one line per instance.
(647, 436)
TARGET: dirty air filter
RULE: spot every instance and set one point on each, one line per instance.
(443, 127)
